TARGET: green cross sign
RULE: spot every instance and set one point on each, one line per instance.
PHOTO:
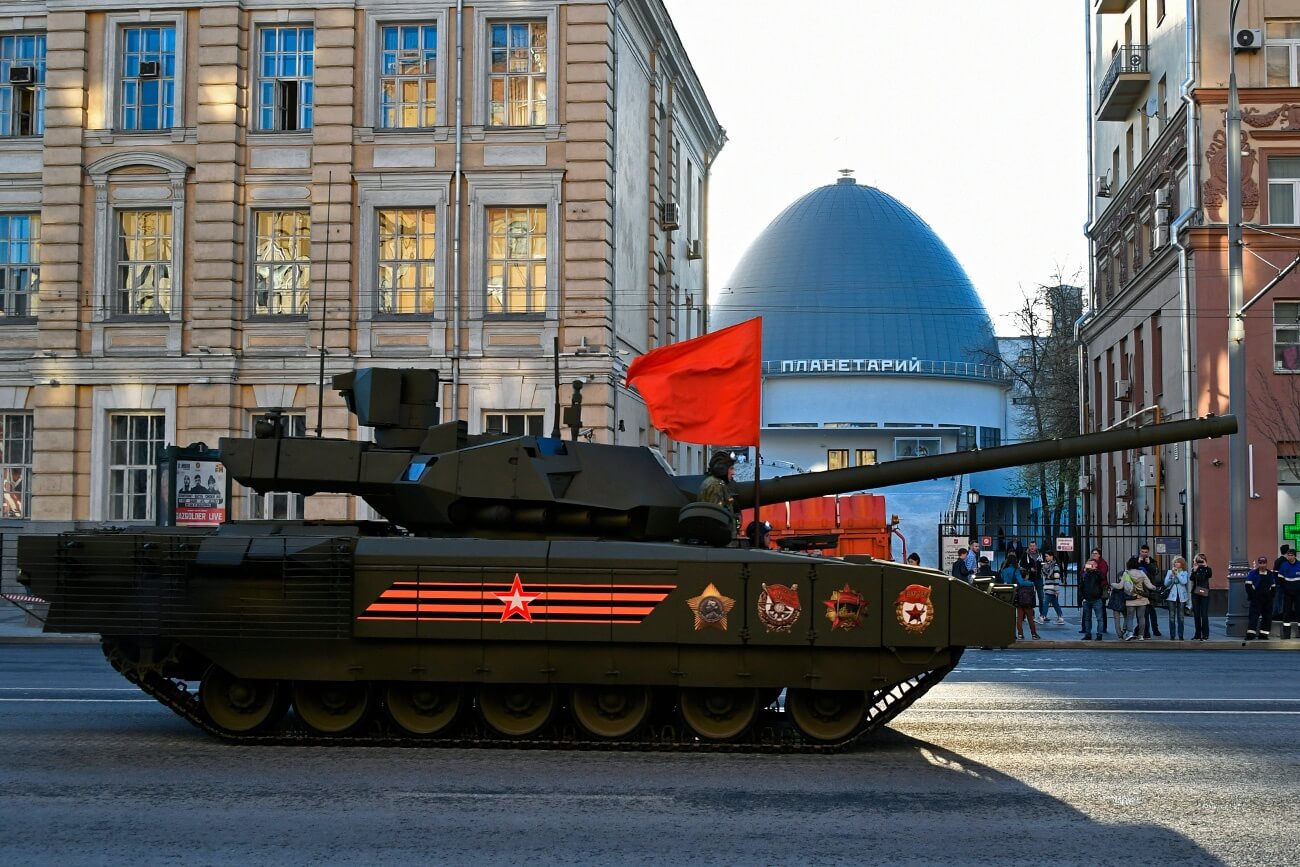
(1291, 532)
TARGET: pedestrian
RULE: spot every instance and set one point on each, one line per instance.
(1104, 568)
(1031, 564)
(973, 557)
(1177, 579)
(1261, 583)
(1149, 568)
(1090, 598)
(1052, 587)
(1010, 571)
(958, 569)
(1138, 591)
(1116, 603)
(1201, 575)
(914, 559)
(1279, 597)
(1026, 594)
(1290, 574)
(985, 569)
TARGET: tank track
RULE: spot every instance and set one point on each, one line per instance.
(771, 733)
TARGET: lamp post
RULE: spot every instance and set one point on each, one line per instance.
(1238, 459)
(972, 501)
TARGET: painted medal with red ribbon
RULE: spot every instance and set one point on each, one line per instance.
(914, 609)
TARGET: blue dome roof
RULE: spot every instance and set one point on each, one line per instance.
(850, 272)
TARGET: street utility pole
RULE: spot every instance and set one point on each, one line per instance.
(1238, 450)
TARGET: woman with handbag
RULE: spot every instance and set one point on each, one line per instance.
(1115, 603)
(1138, 591)
(1200, 584)
(1026, 596)
(1177, 581)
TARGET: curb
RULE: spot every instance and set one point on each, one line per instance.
(51, 638)
(1157, 644)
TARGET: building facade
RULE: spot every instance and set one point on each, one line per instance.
(1156, 339)
(194, 198)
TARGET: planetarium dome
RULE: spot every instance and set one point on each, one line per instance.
(848, 271)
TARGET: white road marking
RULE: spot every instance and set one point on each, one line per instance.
(1075, 710)
(68, 689)
(85, 700)
(1268, 700)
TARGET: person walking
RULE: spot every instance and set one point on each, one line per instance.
(1177, 580)
(1026, 594)
(1149, 568)
(1090, 598)
(1290, 574)
(1031, 563)
(1200, 578)
(1052, 587)
(1138, 591)
(1261, 583)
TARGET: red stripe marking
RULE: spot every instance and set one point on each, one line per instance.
(614, 596)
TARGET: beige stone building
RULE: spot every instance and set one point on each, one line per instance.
(192, 196)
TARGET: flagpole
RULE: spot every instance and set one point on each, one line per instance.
(757, 534)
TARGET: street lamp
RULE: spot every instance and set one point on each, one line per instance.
(972, 500)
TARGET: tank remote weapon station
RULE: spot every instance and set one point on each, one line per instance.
(522, 587)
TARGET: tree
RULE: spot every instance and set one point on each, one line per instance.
(1045, 379)
(1275, 410)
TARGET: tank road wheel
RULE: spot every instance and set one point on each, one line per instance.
(608, 711)
(331, 707)
(719, 714)
(424, 708)
(826, 715)
(240, 706)
(516, 710)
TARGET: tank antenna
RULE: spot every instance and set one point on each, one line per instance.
(324, 304)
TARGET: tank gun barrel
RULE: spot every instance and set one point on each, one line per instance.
(806, 486)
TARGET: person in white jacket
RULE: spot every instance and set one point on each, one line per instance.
(1176, 579)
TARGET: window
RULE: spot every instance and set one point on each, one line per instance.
(1162, 97)
(135, 440)
(16, 464)
(966, 438)
(866, 457)
(148, 78)
(1286, 336)
(282, 267)
(284, 79)
(408, 76)
(407, 244)
(1281, 46)
(280, 505)
(517, 73)
(990, 437)
(22, 84)
(20, 256)
(1283, 189)
(144, 263)
(837, 459)
(514, 424)
(916, 447)
(516, 260)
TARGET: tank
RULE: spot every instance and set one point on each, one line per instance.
(521, 589)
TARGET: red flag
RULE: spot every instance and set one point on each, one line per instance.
(706, 390)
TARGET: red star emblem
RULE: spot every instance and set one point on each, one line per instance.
(516, 602)
(915, 613)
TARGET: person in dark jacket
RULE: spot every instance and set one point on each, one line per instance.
(1025, 596)
(1201, 575)
(1031, 564)
(1290, 580)
(1260, 586)
(985, 569)
(1148, 566)
(1104, 568)
(959, 569)
(1090, 593)
(1279, 596)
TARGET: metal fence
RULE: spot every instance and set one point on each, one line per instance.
(1072, 546)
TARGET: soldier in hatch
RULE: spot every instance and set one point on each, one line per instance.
(716, 488)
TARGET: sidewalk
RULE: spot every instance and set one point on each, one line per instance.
(1066, 637)
(16, 627)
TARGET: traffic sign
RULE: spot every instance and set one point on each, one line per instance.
(1064, 543)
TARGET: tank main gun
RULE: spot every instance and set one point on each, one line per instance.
(435, 479)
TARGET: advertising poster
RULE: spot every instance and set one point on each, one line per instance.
(200, 493)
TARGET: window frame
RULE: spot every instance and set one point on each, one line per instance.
(840, 456)
(859, 454)
(254, 262)
(1279, 325)
(33, 265)
(114, 41)
(40, 52)
(498, 12)
(507, 261)
(116, 290)
(257, 78)
(421, 264)
(422, 78)
(150, 468)
(919, 445)
(527, 416)
(1292, 45)
(371, 79)
(118, 121)
(1271, 182)
(22, 465)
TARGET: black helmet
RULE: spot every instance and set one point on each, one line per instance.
(719, 463)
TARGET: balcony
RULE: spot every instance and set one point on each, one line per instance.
(1104, 6)
(1125, 82)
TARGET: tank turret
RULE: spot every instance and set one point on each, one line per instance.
(434, 478)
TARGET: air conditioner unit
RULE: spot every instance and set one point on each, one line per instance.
(1085, 483)
(1122, 489)
(1124, 511)
(1248, 39)
(1160, 237)
(1148, 471)
(150, 69)
(695, 250)
(1162, 199)
(1103, 187)
(670, 215)
(22, 74)
(1123, 389)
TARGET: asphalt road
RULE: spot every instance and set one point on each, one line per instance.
(1068, 757)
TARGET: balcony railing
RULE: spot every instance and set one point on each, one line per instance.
(1131, 59)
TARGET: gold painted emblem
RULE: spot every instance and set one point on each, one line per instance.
(778, 606)
(914, 609)
(711, 609)
(846, 608)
